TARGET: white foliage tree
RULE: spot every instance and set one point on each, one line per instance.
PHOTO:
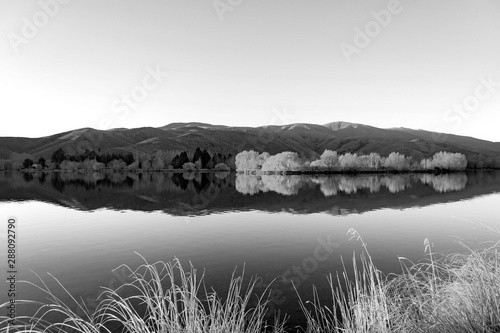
(247, 160)
(285, 161)
(396, 161)
(330, 158)
(348, 161)
(449, 161)
(374, 161)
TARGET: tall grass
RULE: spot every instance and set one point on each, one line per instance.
(162, 297)
(454, 293)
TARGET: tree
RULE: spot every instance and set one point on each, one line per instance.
(330, 158)
(28, 163)
(318, 165)
(42, 162)
(158, 162)
(247, 160)
(69, 165)
(5, 165)
(117, 165)
(197, 164)
(183, 158)
(175, 162)
(396, 161)
(197, 155)
(217, 158)
(285, 161)
(374, 161)
(205, 158)
(348, 161)
(449, 161)
(210, 165)
(58, 156)
(426, 164)
(189, 166)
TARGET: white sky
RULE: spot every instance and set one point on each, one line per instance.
(267, 62)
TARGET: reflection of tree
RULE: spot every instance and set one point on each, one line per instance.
(57, 182)
(286, 185)
(91, 180)
(180, 181)
(396, 183)
(42, 177)
(331, 185)
(189, 175)
(248, 184)
(222, 174)
(349, 184)
(445, 182)
(327, 185)
(27, 176)
(201, 182)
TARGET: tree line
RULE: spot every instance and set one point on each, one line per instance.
(91, 160)
(252, 161)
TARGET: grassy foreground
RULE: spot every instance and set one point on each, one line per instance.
(456, 293)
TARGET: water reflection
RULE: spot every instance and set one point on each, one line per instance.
(445, 183)
(209, 193)
(332, 185)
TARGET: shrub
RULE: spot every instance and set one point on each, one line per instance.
(221, 167)
(189, 166)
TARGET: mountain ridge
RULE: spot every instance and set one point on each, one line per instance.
(309, 140)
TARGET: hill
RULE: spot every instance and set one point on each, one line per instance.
(309, 140)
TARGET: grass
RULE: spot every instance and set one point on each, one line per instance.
(455, 293)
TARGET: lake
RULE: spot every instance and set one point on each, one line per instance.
(80, 226)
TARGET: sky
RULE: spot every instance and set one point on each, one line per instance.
(69, 64)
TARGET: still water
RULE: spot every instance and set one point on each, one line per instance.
(80, 226)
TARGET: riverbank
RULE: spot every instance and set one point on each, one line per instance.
(454, 293)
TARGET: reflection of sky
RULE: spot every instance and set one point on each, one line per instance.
(82, 248)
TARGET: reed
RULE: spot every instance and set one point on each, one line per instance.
(454, 293)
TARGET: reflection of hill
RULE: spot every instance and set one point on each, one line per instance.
(199, 194)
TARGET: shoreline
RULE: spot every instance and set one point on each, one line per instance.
(258, 172)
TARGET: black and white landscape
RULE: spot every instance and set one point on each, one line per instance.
(235, 166)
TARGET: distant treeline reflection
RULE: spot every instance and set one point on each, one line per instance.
(334, 184)
(329, 185)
